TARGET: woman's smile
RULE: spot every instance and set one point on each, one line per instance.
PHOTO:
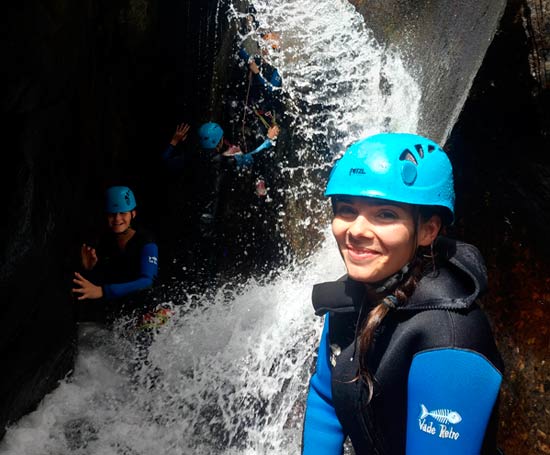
(360, 254)
(120, 222)
(376, 238)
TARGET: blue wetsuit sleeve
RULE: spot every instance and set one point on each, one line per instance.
(275, 82)
(168, 152)
(263, 146)
(323, 433)
(247, 159)
(451, 395)
(244, 55)
(172, 161)
(244, 161)
(148, 272)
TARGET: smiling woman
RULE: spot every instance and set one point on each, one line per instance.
(124, 262)
(407, 361)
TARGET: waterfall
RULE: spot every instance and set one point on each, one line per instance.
(229, 372)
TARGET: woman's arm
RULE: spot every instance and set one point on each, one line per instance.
(148, 272)
(274, 83)
(323, 434)
(169, 157)
(451, 395)
(247, 159)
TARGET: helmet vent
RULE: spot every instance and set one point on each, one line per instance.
(420, 150)
(431, 148)
(408, 156)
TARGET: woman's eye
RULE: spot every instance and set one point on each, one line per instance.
(345, 210)
(387, 215)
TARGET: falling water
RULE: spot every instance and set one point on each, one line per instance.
(341, 85)
(228, 373)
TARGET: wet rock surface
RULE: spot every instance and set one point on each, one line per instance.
(443, 43)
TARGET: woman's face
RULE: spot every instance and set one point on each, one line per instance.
(119, 223)
(376, 238)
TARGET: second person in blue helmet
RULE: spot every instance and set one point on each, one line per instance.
(407, 363)
(123, 263)
(222, 159)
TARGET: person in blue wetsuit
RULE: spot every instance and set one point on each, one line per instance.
(265, 83)
(222, 157)
(225, 168)
(407, 363)
(173, 160)
(124, 262)
(212, 140)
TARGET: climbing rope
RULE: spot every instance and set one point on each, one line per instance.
(244, 111)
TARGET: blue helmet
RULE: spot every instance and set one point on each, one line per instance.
(210, 135)
(119, 199)
(397, 167)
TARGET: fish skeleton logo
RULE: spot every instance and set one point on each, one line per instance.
(444, 417)
(441, 415)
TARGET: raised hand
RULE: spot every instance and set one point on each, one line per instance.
(273, 132)
(88, 256)
(181, 134)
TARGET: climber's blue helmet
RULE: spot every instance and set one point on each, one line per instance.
(210, 135)
(119, 199)
(397, 167)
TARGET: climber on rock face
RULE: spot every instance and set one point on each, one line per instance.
(223, 157)
(227, 181)
(265, 82)
(263, 105)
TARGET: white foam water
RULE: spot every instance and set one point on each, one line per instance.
(227, 374)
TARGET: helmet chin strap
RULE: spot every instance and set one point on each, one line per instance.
(392, 281)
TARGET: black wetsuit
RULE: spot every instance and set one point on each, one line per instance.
(436, 368)
(123, 275)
